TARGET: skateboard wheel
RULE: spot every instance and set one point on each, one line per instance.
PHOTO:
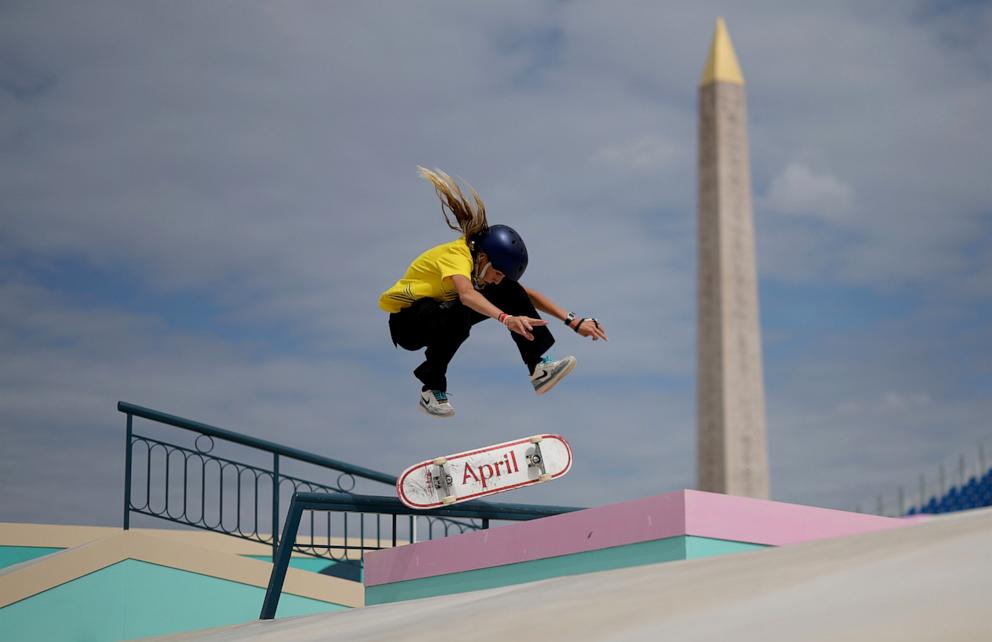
(536, 439)
(448, 500)
(543, 478)
(439, 461)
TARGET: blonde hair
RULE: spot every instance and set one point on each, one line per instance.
(470, 215)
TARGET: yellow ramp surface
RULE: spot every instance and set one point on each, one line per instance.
(932, 581)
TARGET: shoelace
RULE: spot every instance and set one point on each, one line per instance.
(545, 360)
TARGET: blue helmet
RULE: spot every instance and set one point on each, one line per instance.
(505, 249)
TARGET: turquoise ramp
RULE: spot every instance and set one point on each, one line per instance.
(133, 599)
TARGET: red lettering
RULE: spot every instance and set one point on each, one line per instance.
(486, 472)
(483, 475)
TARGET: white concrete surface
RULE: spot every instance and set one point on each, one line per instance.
(929, 582)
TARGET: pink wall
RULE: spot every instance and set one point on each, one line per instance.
(684, 512)
(760, 521)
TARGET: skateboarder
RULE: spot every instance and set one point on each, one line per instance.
(452, 286)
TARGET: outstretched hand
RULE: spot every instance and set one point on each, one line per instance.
(523, 325)
(591, 328)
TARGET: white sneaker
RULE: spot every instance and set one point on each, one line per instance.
(435, 403)
(548, 373)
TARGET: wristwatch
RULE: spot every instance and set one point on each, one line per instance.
(569, 319)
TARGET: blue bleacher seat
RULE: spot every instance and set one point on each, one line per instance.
(975, 493)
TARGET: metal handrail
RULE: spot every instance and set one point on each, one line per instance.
(484, 511)
(188, 492)
(254, 442)
(499, 511)
(199, 458)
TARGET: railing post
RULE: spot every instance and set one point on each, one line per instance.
(275, 505)
(923, 490)
(127, 475)
(280, 563)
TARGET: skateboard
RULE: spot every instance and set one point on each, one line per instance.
(443, 481)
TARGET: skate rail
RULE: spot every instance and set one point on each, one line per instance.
(350, 503)
(238, 494)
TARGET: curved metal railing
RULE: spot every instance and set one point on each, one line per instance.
(192, 484)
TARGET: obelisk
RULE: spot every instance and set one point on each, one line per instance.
(732, 441)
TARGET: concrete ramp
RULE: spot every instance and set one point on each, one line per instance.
(929, 581)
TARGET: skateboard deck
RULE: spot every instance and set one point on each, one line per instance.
(443, 481)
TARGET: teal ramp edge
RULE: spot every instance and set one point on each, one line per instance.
(661, 550)
(352, 573)
(10, 555)
(133, 599)
(304, 563)
(697, 547)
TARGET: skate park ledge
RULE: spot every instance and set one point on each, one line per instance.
(681, 525)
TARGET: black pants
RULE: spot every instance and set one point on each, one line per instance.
(442, 326)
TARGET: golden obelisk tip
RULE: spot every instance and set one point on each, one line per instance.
(721, 65)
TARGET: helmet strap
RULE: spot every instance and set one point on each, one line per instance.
(480, 273)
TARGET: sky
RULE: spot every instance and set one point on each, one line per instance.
(200, 204)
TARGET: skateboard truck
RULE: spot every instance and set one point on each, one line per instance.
(536, 459)
(444, 480)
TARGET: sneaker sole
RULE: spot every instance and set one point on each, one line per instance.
(555, 378)
(427, 412)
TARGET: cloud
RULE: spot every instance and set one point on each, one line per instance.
(62, 401)
(799, 191)
(890, 402)
(643, 155)
(202, 205)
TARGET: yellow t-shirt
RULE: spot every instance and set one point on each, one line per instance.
(430, 276)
